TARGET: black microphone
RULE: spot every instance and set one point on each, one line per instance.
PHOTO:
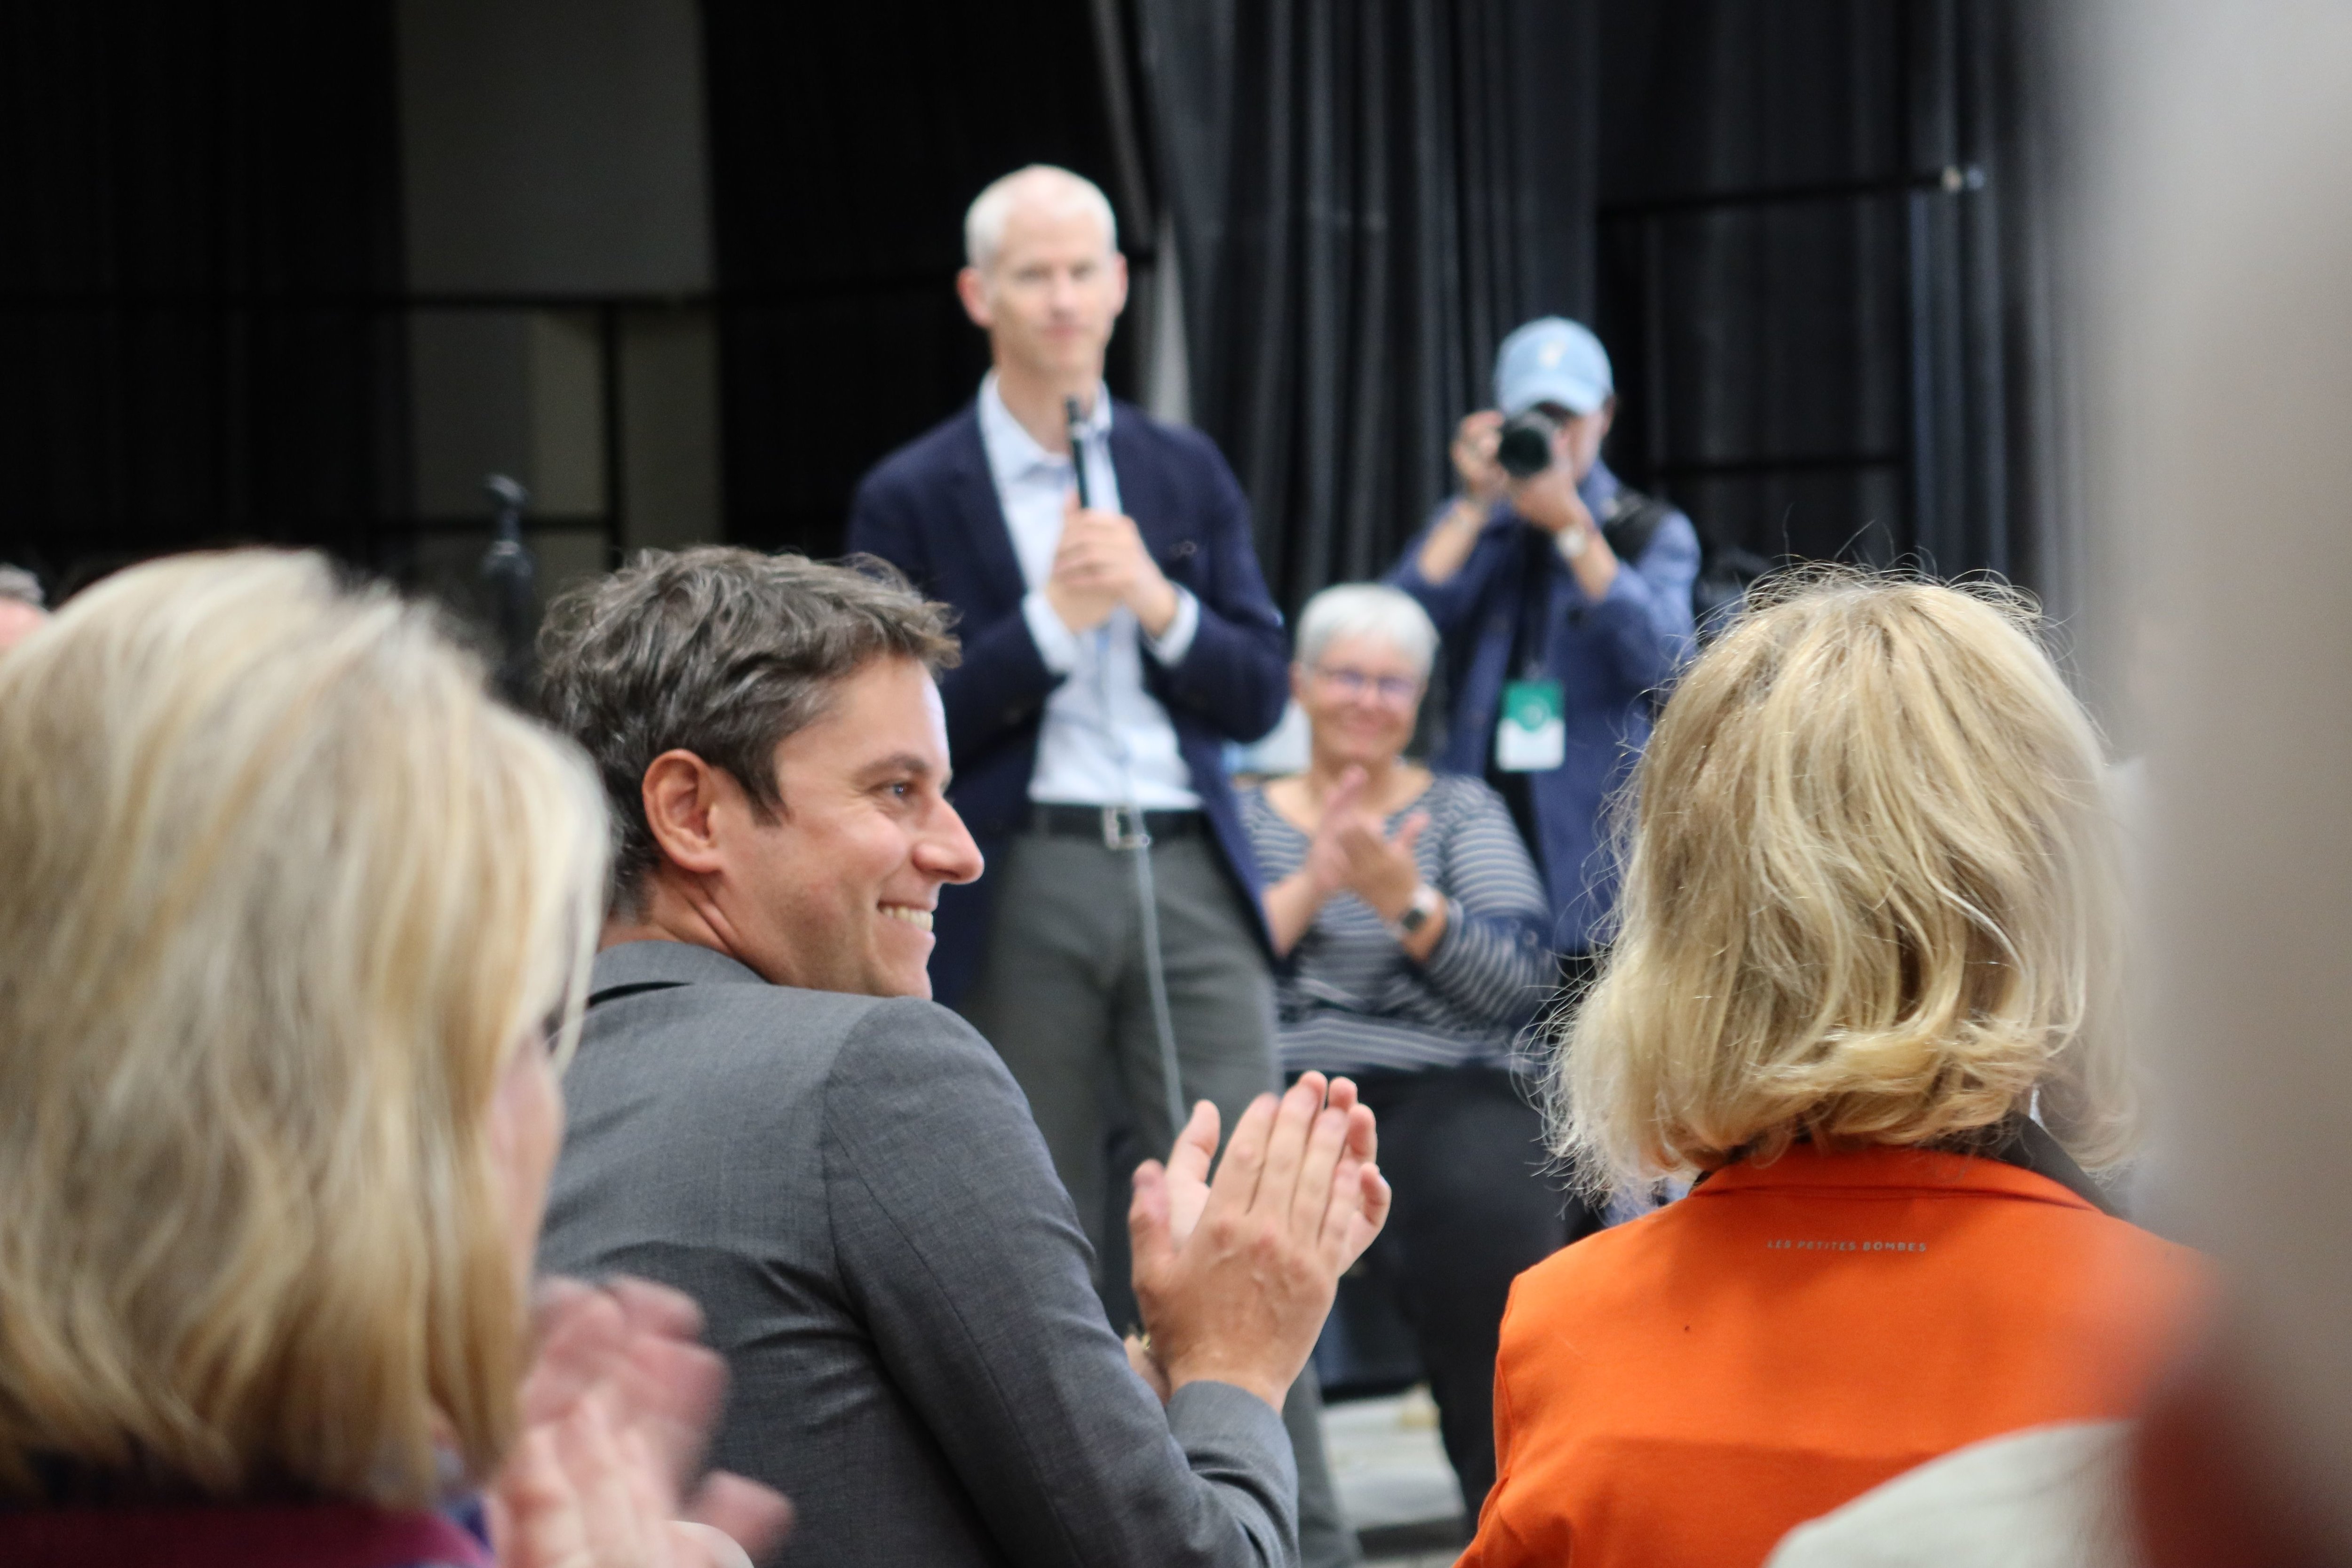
(1077, 449)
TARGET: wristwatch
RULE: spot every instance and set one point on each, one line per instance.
(1425, 900)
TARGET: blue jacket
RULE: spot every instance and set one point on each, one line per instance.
(930, 509)
(1607, 656)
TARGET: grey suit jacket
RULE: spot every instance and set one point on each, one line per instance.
(854, 1190)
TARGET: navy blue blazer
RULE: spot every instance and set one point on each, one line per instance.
(930, 510)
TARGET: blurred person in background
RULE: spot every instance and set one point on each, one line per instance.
(1564, 598)
(2223, 388)
(1864, 993)
(1116, 633)
(295, 931)
(22, 606)
(769, 1113)
(1411, 927)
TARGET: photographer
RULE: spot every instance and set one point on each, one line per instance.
(1564, 599)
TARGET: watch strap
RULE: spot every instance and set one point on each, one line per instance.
(1426, 900)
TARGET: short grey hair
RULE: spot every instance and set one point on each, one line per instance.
(21, 586)
(720, 652)
(983, 222)
(1367, 609)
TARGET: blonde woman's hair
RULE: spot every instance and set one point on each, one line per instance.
(285, 892)
(1869, 896)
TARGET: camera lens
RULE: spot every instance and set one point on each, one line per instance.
(1525, 450)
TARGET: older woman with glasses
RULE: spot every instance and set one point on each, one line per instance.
(1411, 923)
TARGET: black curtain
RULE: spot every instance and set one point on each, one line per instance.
(845, 143)
(1824, 270)
(202, 199)
(1368, 195)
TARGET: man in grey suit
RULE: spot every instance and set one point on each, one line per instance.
(767, 1113)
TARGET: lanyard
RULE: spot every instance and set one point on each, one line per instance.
(1530, 638)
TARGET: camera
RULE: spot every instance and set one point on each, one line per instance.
(1525, 449)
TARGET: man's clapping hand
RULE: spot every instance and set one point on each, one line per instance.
(1100, 565)
(1234, 1276)
(618, 1407)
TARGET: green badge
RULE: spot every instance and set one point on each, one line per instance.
(1532, 737)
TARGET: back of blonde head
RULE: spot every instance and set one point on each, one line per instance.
(284, 890)
(1868, 899)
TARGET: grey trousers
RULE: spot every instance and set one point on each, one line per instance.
(1062, 995)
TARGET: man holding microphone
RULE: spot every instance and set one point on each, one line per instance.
(1116, 632)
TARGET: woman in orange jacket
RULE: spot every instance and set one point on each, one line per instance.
(1861, 992)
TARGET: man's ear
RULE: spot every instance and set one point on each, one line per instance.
(681, 794)
(972, 287)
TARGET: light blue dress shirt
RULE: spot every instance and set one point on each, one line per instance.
(1106, 739)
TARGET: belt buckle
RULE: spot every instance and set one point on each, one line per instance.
(1122, 828)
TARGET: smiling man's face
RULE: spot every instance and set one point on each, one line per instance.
(845, 878)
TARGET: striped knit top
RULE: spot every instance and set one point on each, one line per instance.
(1349, 999)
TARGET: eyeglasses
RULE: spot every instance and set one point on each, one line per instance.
(1396, 690)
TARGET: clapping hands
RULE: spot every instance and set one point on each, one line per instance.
(619, 1402)
(1350, 853)
(1236, 1274)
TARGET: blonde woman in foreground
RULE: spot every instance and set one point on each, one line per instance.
(1861, 994)
(293, 941)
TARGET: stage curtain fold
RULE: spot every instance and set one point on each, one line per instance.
(1368, 194)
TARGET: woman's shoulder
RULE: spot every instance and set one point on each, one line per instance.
(1594, 1286)
(1256, 805)
(1462, 795)
(1459, 801)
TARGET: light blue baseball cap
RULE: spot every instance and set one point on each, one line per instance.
(1552, 360)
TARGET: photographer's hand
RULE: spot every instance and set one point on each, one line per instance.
(1476, 441)
(1548, 500)
(1483, 482)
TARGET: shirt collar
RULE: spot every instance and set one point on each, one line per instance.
(1013, 452)
(656, 962)
(1808, 1169)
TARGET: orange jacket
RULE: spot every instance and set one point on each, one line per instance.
(1685, 1389)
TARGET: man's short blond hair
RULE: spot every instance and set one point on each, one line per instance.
(985, 220)
(1869, 897)
(285, 890)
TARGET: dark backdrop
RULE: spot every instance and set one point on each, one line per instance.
(1822, 349)
(199, 197)
(845, 143)
(1815, 236)
(1823, 252)
(1369, 194)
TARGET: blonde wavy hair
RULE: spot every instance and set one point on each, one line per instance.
(285, 890)
(1869, 897)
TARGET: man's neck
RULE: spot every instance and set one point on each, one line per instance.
(1037, 403)
(665, 914)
